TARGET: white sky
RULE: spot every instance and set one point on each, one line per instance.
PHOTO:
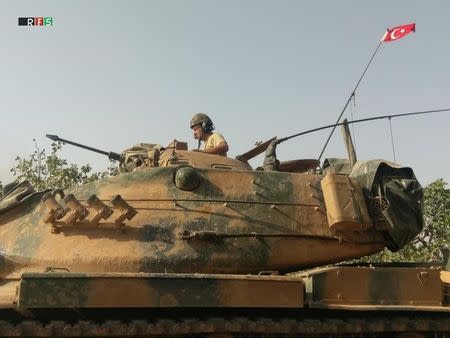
(115, 73)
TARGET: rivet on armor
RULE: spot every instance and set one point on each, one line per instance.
(187, 178)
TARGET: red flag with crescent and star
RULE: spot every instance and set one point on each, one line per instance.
(399, 32)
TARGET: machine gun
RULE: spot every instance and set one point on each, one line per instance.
(139, 156)
(111, 155)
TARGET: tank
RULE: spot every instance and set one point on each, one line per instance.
(186, 243)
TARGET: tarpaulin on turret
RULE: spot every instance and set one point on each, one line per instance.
(14, 193)
(392, 191)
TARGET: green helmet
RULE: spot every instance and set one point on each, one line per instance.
(202, 119)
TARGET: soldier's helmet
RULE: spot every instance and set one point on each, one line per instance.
(203, 120)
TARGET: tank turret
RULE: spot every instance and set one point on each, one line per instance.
(182, 229)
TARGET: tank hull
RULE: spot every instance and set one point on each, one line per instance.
(338, 301)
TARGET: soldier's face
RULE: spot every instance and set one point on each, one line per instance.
(198, 132)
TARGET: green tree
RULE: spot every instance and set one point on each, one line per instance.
(50, 171)
(436, 233)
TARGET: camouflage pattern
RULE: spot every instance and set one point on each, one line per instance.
(146, 155)
(277, 220)
(186, 233)
(75, 290)
(400, 287)
(388, 288)
(363, 288)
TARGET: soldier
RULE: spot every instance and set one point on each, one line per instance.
(214, 143)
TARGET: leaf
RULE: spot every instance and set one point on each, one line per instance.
(51, 171)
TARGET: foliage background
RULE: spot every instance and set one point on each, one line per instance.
(46, 171)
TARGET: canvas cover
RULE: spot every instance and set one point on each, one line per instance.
(398, 186)
(142, 155)
(14, 193)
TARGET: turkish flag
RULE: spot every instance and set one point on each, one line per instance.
(399, 32)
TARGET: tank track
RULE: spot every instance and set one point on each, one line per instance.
(386, 326)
